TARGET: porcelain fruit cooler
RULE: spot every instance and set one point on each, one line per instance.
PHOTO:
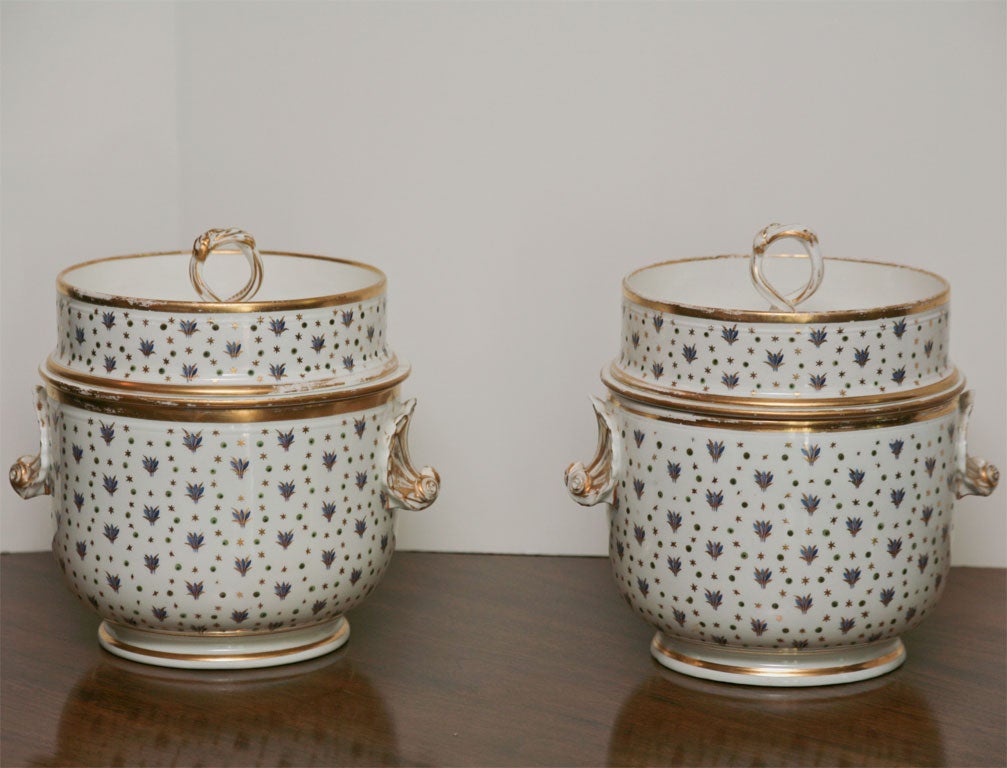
(779, 535)
(219, 525)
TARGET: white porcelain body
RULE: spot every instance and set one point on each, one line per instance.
(771, 553)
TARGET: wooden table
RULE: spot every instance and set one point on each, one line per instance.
(489, 660)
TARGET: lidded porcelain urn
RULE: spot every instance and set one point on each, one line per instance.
(780, 479)
(225, 472)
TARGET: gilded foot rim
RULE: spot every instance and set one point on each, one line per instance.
(224, 651)
(778, 668)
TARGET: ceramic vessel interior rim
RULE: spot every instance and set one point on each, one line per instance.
(160, 281)
(721, 287)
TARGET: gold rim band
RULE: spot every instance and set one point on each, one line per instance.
(184, 390)
(698, 402)
(840, 422)
(333, 639)
(219, 412)
(64, 287)
(713, 666)
(757, 316)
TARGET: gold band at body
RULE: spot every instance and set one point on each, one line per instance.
(757, 316)
(383, 377)
(219, 410)
(834, 421)
(780, 408)
(65, 288)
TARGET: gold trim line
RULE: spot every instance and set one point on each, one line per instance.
(332, 639)
(773, 316)
(279, 390)
(713, 666)
(64, 288)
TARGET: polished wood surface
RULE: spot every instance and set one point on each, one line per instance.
(489, 660)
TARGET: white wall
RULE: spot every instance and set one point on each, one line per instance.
(506, 164)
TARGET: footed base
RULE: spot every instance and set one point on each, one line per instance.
(778, 668)
(224, 650)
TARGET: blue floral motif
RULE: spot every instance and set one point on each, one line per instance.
(715, 449)
(359, 425)
(643, 586)
(79, 334)
(317, 606)
(285, 439)
(277, 370)
(845, 625)
(674, 470)
(926, 513)
(657, 369)
(921, 562)
(192, 440)
(328, 557)
(894, 546)
(111, 532)
(763, 529)
(810, 502)
(899, 375)
(930, 464)
(730, 380)
(638, 437)
(897, 496)
(856, 477)
(286, 489)
(233, 348)
(328, 510)
(239, 466)
(151, 514)
(278, 325)
(241, 516)
(679, 616)
(862, 356)
(188, 327)
(146, 347)
(674, 565)
(107, 432)
(899, 328)
(763, 576)
(150, 464)
(635, 339)
(730, 335)
(348, 362)
(809, 553)
(638, 486)
(347, 317)
(639, 533)
(109, 363)
(361, 480)
(674, 520)
(355, 575)
(803, 602)
(189, 372)
(281, 589)
(763, 479)
(113, 581)
(239, 616)
(110, 484)
(714, 549)
(151, 562)
(108, 320)
(715, 499)
(317, 343)
(774, 359)
(854, 525)
(78, 500)
(896, 447)
(817, 381)
(818, 336)
(689, 353)
(714, 598)
(359, 526)
(195, 540)
(759, 626)
(886, 595)
(658, 321)
(284, 538)
(811, 453)
(851, 576)
(329, 459)
(928, 348)
(159, 613)
(242, 564)
(370, 333)
(78, 453)
(194, 491)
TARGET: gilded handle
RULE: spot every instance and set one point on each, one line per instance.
(212, 240)
(809, 241)
(973, 476)
(594, 483)
(405, 486)
(30, 475)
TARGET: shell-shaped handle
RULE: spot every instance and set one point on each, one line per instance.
(405, 486)
(30, 475)
(809, 241)
(973, 476)
(210, 241)
(594, 483)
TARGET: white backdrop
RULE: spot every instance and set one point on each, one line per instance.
(506, 164)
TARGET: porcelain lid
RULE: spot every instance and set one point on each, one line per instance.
(155, 322)
(717, 329)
